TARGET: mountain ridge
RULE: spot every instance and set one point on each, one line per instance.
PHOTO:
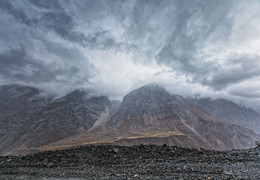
(147, 115)
(230, 111)
(152, 109)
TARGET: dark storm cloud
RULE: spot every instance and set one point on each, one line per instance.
(29, 55)
(239, 67)
(51, 15)
(198, 41)
(16, 64)
(47, 4)
(55, 19)
(17, 13)
(193, 24)
(176, 31)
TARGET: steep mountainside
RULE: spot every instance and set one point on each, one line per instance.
(62, 118)
(17, 104)
(151, 108)
(150, 115)
(231, 112)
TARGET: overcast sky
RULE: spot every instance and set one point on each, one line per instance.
(198, 47)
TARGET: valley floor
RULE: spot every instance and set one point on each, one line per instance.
(135, 162)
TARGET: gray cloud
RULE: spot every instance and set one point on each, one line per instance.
(50, 15)
(55, 19)
(16, 64)
(115, 45)
(194, 24)
(17, 13)
(239, 67)
(47, 4)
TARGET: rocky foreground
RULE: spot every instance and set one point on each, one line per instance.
(135, 162)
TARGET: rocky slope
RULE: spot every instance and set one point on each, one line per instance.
(151, 108)
(136, 162)
(148, 115)
(67, 116)
(230, 112)
(17, 105)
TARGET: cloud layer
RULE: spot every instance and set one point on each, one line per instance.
(206, 48)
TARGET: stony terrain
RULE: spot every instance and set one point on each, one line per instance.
(133, 162)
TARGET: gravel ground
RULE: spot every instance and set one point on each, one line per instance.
(135, 162)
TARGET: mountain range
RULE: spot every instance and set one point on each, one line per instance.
(230, 112)
(30, 123)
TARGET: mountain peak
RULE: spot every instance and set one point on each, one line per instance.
(148, 91)
(78, 93)
(146, 115)
(150, 99)
(153, 87)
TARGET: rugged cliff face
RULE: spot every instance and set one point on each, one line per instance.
(151, 108)
(148, 115)
(70, 115)
(231, 112)
(17, 105)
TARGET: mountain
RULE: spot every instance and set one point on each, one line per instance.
(150, 115)
(151, 108)
(17, 105)
(64, 117)
(231, 112)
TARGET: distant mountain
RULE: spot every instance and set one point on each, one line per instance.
(62, 118)
(230, 112)
(151, 108)
(148, 115)
(17, 105)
